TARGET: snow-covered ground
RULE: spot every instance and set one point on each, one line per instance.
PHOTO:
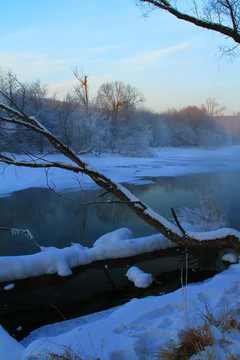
(136, 329)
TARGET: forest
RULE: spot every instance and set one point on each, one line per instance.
(114, 121)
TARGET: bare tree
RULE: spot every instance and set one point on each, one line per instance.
(116, 99)
(81, 90)
(222, 16)
(215, 240)
(213, 108)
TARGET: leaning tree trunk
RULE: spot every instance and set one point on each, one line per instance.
(222, 238)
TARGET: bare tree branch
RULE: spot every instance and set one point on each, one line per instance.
(177, 222)
(25, 232)
(231, 32)
(83, 85)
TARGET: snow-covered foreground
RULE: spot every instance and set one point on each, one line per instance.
(136, 329)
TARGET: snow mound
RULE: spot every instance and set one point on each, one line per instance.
(138, 277)
(119, 234)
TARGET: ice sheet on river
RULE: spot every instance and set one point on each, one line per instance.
(164, 162)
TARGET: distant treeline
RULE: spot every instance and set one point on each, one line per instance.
(111, 122)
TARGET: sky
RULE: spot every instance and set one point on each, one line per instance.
(173, 63)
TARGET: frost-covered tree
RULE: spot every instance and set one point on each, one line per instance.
(66, 118)
(195, 127)
(116, 99)
(208, 217)
(132, 135)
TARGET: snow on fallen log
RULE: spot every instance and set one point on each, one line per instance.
(120, 234)
(114, 245)
(60, 261)
(214, 234)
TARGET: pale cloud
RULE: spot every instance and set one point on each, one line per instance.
(154, 56)
(42, 62)
(102, 49)
(98, 80)
(21, 33)
(29, 63)
(61, 89)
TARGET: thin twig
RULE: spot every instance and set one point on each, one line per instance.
(178, 223)
(25, 232)
(92, 202)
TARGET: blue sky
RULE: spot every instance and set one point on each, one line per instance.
(174, 63)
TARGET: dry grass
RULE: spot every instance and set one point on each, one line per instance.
(230, 319)
(69, 354)
(191, 341)
(233, 357)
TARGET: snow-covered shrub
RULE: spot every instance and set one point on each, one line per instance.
(208, 217)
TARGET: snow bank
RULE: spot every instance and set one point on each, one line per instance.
(10, 349)
(138, 277)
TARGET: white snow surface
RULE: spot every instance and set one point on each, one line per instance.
(119, 234)
(10, 349)
(138, 277)
(137, 329)
(164, 162)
